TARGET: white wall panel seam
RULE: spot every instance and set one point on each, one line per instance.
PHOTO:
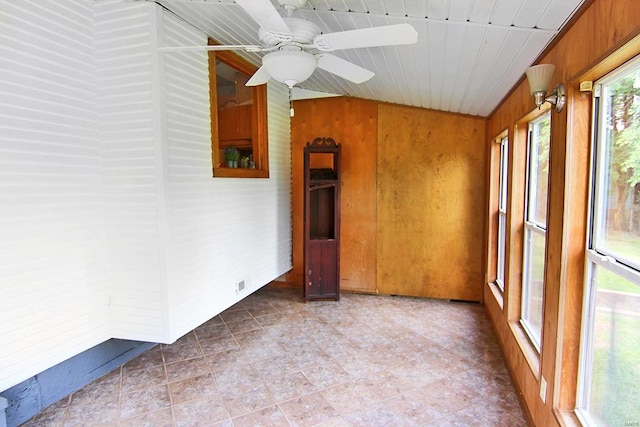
(161, 161)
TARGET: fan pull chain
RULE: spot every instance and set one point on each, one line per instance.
(291, 110)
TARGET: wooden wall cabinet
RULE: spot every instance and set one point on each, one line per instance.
(322, 220)
(234, 126)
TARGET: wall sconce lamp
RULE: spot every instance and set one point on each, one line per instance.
(539, 77)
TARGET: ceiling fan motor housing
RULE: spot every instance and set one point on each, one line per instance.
(292, 5)
(303, 32)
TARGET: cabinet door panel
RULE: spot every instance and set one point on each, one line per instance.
(329, 268)
(314, 285)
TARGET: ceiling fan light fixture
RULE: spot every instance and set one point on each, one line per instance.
(289, 67)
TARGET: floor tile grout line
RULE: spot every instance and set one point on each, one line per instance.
(212, 374)
(120, 385)
(318, 314)
(168, 388)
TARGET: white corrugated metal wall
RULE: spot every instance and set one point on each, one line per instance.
(53, 290)
(221, 230)
(110, 222)
(129, 117)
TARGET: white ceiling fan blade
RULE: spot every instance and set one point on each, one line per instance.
(387, 35)
(260, 77)
(247, 47)
(343, 68)
(266, 15)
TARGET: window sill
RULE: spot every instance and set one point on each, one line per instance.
(239, 173)
(497, 294)
(529, 352)
(567, 418)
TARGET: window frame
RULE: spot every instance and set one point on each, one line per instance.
(503, 178)
(260, 144)
(598, 257)
(532, 228)
(499, 167)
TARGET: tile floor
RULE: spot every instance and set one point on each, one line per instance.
(272, 360)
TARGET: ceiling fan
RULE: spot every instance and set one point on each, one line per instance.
(295, 46)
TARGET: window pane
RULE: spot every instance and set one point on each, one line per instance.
(539, 132)
(504, 151)
(615, 375)
(235, 123)
(620, 192)
(502, 212)
(239, 134)
(502, 223)
(533, 285)
(535, 227)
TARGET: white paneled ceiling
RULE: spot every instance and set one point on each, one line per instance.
(469, 53)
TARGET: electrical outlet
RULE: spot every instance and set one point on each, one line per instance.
(239, 286)
(543, 389)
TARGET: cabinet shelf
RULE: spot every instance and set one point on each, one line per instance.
(321, 185)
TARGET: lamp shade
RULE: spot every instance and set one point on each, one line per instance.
(539, 77)
(290, 67)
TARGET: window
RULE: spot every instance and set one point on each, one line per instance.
(535, 227)
(502, 212)
(609, 387)
(238, 118)
(497, 216)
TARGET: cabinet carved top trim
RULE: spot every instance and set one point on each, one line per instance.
(323, 142)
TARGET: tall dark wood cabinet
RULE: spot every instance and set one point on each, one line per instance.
(322, 220)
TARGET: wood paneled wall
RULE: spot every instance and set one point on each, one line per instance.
(352, 123)
(412, 196)
(405, 161)
(430, 203)
(604, 35)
